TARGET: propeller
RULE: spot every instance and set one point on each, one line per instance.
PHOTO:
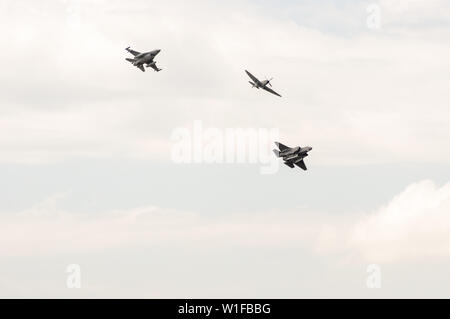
(268, 81)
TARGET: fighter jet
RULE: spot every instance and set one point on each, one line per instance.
(144, 58)
(261, 84)
(292, 155)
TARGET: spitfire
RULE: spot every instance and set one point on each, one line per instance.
(292, 156)
(261, 84)
(146, 58)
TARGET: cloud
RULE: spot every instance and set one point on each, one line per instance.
(68, 93)
(45, 228)
(415, 12)
(412, 226)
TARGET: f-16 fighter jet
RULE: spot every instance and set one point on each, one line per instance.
(292, 156)
(144, 58)
(261, 84)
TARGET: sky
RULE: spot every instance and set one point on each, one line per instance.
(89, 178)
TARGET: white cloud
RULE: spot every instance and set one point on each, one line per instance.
(47, 229)
(68, 93)
(413, 226)
(357, 97)
(417, 12)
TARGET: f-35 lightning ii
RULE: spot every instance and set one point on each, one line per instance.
(146, 58)
(261, 84)
(292, 155)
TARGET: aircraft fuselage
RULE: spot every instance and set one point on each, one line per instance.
(296, 152)
(146, 58)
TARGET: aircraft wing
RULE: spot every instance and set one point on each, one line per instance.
(270, 90)
(154, 67)
(133, 52)
(140, 66)
(302, 165)
(251, 76)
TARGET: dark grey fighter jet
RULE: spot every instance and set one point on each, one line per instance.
(292, 156)
(261, 84)
(144, 58)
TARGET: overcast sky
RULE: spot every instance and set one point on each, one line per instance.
(86, 141)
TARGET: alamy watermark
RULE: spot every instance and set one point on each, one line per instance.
(225, 146)
(73, 13)
(74, 277)
(373, 20)
(374, 278)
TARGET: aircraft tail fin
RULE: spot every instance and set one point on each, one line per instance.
(301, 164)
(141, 67)
(289, 164)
